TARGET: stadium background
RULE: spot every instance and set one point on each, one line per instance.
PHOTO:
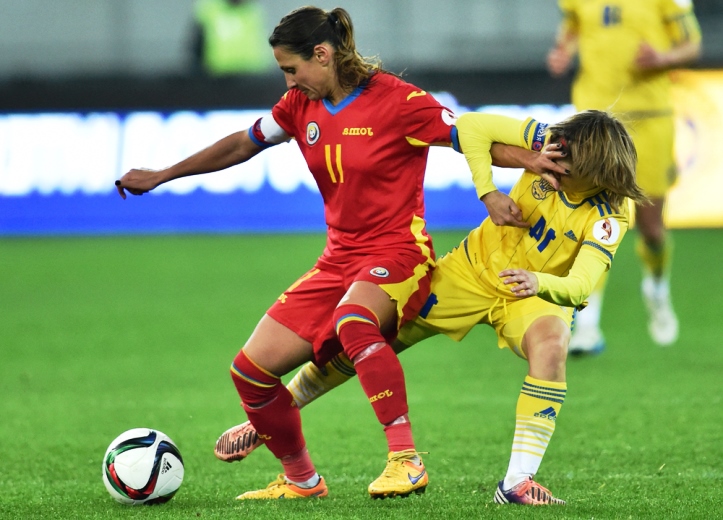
(92, 88)
(118, 314)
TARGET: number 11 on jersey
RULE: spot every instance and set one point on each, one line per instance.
(336, 162)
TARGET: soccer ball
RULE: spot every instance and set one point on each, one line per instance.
(142, 466)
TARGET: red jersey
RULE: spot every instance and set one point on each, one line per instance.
(368, 156)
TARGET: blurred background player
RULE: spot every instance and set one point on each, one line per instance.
(230, 38)
(522, 281)
(625, 52)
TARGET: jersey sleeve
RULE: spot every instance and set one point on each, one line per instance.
(426, 122)
(266, 132)
(572, 290)
(680, 21)
(283, 113)
(478, 131)
(606, 228)
(603, 234)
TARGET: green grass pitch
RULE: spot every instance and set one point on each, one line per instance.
(100, 335)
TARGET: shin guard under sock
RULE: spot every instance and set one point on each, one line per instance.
(269, 406)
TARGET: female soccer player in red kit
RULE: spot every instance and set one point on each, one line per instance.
(364, 134)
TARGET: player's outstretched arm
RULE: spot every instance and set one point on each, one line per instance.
(229, 151)
(648, 58)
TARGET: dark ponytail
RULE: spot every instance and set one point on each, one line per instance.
(303, 29)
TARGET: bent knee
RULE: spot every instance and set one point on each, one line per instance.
(545, 346)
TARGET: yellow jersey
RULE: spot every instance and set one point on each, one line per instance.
(572, 237)
(609, 34)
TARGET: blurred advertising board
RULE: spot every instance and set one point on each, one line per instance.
(698, 102)
(57, 172)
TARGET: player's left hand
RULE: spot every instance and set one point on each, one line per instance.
(648, 58)
(524, 283)
(544, 164)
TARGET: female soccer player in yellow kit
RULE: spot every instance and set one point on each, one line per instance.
(525, 282)
(625, 51)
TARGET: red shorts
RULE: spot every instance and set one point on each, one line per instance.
(307, 307)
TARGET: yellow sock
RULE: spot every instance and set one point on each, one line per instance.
(655, 261)
(311, 382)
(537, 409)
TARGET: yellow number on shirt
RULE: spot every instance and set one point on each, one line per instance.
(336, 162)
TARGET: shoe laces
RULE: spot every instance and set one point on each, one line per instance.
(536, 492)
(280, 481)
(406, 456)
(397, 463)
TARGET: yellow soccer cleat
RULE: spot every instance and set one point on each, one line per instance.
(401, 477)
(282, 488)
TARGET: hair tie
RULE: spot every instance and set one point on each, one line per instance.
(333, 18)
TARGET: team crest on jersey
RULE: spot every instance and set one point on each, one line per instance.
(541, 188)
(606, 230)
(381, 272)
(312, 133)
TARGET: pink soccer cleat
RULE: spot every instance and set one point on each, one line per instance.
(237, 443)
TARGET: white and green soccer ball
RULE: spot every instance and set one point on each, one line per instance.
(142, 466)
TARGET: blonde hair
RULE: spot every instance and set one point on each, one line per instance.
(601, 150)
(306, 27)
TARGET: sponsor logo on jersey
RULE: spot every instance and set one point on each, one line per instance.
(606, 230)
(547, 413)
(571, 235)
(416, 93)
(381, 272)
(312, 133)
(541, 188)
(539, 136)
(381, 395)
(358, 131)
(264, 437)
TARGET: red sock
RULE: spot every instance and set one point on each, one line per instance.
(380, 373)
(269, 406)
(399, 435)
(298, 466)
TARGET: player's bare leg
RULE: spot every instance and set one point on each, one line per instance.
(654, 249)
(541, 397)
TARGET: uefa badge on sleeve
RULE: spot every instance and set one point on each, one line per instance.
(606, 230)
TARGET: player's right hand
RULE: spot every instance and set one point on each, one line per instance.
(503, 210)
(138, 182)
(558, 61)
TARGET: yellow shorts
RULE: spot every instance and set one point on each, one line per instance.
(654, 141)
(459, 301)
